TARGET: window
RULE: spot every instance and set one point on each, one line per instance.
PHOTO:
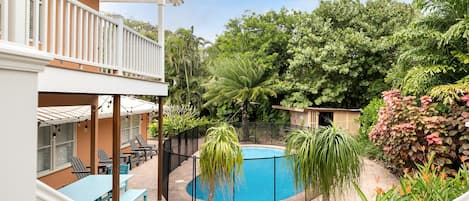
(130, 128)
(326, 118)
(56, 146)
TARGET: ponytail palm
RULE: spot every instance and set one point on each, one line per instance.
(220, 157)
(323, 160)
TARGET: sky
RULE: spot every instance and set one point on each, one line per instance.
(207, 16)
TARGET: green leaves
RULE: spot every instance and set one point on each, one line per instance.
(323, 160)
(220, 157)
(339, 49)
(237, 80)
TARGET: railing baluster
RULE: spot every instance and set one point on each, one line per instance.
(96, 44)
(73, 41)
(80, 34)
(91, 39)
(28, 21)
(44, 25)
(53, 17)
(35, 30)
(105, 41)
(67, 30)
(60, 27)
(85, 36)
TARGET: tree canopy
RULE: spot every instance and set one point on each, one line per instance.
(342, 53)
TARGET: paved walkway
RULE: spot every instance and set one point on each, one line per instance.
(145, 176)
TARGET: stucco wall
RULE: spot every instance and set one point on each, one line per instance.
(63, 177)
(91, 3)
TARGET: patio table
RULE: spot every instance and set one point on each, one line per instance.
(92, 187)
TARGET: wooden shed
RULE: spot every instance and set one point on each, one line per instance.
(314, 117)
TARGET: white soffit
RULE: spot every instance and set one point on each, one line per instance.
(68, 114)
(59, 80)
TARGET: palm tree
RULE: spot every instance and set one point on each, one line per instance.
(238, 79)
(323, 160)
(220, 157)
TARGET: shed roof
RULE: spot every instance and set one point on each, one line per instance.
(279, 107)
(69, 114)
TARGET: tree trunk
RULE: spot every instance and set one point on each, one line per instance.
(211, 189)
(244, 120)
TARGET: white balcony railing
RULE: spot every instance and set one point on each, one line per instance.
(74, 32)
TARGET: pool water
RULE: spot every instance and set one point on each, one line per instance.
(257, 180)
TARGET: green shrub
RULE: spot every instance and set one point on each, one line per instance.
(178, 119)
(369, 116)
(368, 119)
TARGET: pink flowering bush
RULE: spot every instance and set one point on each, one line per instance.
(408, 131)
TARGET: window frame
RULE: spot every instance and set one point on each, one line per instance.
(53, 147)
(130, 128)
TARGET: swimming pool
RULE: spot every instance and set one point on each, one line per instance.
(257, 179)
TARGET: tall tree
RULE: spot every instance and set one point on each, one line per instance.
(342, 53)
(435, 51)
(264, 39)
(237, 80)
(185, 70)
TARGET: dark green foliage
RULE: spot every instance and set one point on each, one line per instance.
(433, 51)
(341, 53)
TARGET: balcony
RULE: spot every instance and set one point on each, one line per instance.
(74, 33)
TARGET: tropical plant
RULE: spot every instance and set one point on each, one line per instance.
(178, 118)
(408, 131)
(323, 160)
(427, 184)
(237, 80)
(220, 158)
(434, 51)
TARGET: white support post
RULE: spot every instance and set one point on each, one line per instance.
(161, 36)
(119, 43)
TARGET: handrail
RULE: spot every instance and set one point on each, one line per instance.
(46, 193)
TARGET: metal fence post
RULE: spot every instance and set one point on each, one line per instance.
(234, 183)
(275, 182)
(194, 178)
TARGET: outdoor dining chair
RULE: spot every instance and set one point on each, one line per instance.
(79, 168)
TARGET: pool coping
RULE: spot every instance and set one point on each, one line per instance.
(183, 179)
